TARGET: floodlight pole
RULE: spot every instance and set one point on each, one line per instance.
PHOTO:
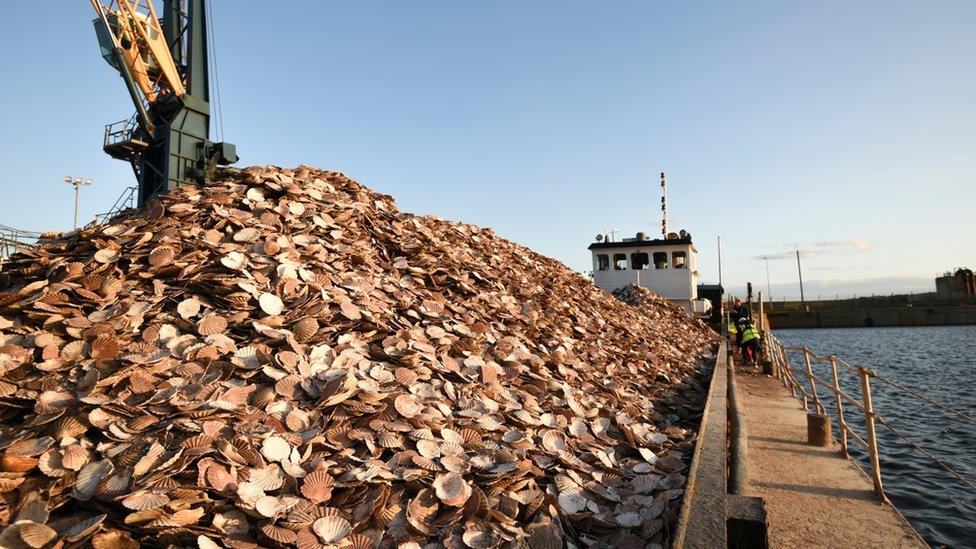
(77, 182)
(799, 271)
(769, 290)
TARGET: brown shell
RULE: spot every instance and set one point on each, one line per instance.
(16, 463)
(105, 347)
(331, 529)
(162, 255)
(305, 329)
(211, 324)
(317, 486)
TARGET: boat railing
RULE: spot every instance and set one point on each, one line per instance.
(811, 389)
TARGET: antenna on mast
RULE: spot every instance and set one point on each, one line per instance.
(664, 206)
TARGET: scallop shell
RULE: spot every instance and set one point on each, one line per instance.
(451, 489)
(187, 517)
(429, 448)
(279, 534)
(35, 535)
(107, 255)
(317, 486)
(331, 529)
(358, 541)
(425, 463)
(544, 535)
(270, 506)
(105, 347)
(90, 477)
(162, 255)
(254, 194)
(203, 542)
(247, 234)
(480, 536)
(221, 480)
(406, 406)
(572, 501)
(50, 464)
(405, 376)
(68, 427)
(114, 539)
(16, 463)
(305, 329)
(53, 401)
(188, 308)
(233, 260)
(271, 304)
(31, 446)
(470, 438)
(275, 448)
(144, 500)
(554, 441)
(452, 436)
(74, 457)
(267, 478)
(211, 324)
(83, 528)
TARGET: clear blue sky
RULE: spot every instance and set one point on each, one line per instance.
(847, 128)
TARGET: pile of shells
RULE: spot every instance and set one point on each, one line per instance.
(282, 358)
(639, 296)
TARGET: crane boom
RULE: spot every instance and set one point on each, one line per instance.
(164, 64)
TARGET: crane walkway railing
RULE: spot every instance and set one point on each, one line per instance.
(806, 385)
(125, 201)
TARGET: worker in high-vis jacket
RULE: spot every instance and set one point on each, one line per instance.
(747, 338)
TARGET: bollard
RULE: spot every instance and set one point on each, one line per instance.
(818, 430)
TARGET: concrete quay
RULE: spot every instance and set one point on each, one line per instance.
(812, 495)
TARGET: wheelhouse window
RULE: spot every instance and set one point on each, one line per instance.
(620, 262)
(639, 261)
(660, 260)
(679, 260)
(602, 262)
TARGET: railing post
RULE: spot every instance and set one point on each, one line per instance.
(840, 408)
(788, 372)
(872, 439)
(818, 407)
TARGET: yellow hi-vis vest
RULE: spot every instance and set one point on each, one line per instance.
(749, 333)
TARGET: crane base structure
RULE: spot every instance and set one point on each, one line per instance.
(164, 63)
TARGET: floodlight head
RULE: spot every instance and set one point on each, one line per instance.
(67, 179)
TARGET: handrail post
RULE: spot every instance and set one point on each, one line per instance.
(818, 407)
(789, 372)
(840, 408)
(872, 438)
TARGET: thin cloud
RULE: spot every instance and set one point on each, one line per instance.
(847, 244)
(787, 255)
(840, 245)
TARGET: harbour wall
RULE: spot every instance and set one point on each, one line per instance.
(873, 317)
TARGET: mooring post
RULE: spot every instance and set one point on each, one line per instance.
(872, 438)
(840, 408)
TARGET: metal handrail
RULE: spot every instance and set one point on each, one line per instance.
(125, 201)
(11, 239)
(776, 353)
